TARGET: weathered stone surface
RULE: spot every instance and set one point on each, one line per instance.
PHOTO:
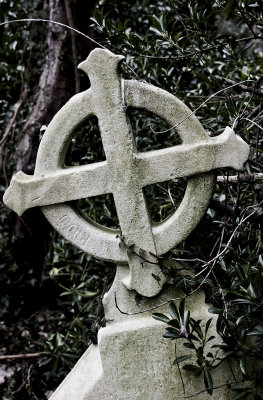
(125, 171)
(132, 360)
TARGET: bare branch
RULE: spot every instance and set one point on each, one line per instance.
(244, 87)
(255, 111)
(240, 178)
(252, 122)
(218, 387)
(19, 356)
(53, 22)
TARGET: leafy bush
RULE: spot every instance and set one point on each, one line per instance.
(209, 54)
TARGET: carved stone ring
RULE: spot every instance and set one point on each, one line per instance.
(125, 171)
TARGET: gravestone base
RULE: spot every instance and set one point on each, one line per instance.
(132, 360)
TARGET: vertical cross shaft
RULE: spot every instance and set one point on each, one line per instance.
(119, 147)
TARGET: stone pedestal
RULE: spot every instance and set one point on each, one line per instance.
(132, 360)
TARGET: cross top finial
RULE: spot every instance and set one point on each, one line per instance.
(100, 58)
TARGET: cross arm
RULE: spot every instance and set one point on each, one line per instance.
(73, 183)
(225, 150)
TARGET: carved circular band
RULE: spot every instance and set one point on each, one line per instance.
(91, 237)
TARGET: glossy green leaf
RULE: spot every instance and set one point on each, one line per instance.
(214, 310)
(181, 308)
(192, 368)
(208, 381)
(207, 325)
(173, 311)
(240, 396)
(171, 335)
(237, 387)
(242, 365)
(174, 323)
(180, 359)
(161, 317)
(186, 318)
(189, 345)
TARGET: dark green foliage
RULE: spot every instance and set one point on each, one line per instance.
(192, 49)
(183, 327)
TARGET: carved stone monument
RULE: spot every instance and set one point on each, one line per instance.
(132, 360)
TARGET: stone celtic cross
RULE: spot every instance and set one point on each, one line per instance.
(125, 171)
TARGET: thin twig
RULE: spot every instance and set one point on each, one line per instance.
(248, 102)
(179, 370)
(198, 108)
(219, 255)
(204, 268)
(22, 356)
(28, 384)
(249, 38)
(129, 248)
(247, 22)
(214, 263)
(171, 198)
(53, 22)
(12, 120)
(256, 111)
(189, 260)
(67, 27)
(19, 388)
(161, 304)
(189, 55)
(217, 387)
(244, 87)
(252, 122)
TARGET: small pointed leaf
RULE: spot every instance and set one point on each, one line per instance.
(182, 358)
(161, 317)
(181, 308)
(173, 311)
(243, 365)
(186, 318)
(208, 381)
